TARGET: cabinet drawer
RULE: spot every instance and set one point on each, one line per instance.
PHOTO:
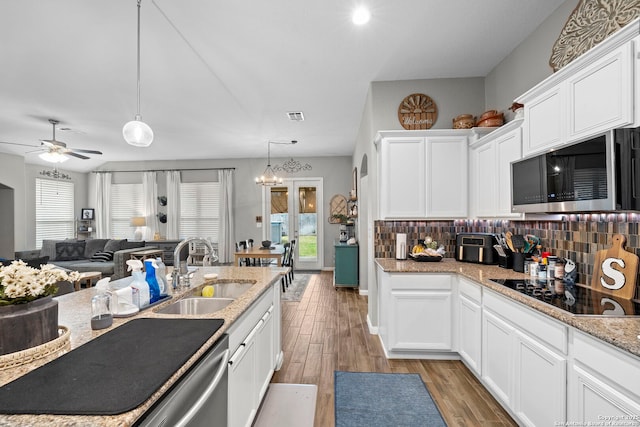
(611, 364)
(470, 290)
(537, 325)
(420, 281)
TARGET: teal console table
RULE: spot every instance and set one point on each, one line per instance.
(346, 270)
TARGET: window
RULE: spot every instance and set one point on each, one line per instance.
(199, 210)
(54, 210)
(126, 203)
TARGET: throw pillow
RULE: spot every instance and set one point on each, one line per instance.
(69, 251)
(114, 245)
(94, 245)
(49, 249)
(133, 244)
(102, 256)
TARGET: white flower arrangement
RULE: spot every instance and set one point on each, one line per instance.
(20, 283)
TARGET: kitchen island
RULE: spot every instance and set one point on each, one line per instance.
(75, 314)
(545, 365)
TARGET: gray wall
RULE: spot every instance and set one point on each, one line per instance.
(12, 175)
(528, 64)
(335, 171)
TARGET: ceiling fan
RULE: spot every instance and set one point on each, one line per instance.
(56, 151)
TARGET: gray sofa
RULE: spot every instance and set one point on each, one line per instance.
(87, 255)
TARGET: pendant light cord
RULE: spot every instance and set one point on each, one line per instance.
(138, 116)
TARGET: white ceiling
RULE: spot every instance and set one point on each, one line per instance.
(218, 77)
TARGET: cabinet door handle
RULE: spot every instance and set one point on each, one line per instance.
(253, 332)
(195, 408)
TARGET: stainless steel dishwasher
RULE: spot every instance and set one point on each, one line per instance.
(198, 399)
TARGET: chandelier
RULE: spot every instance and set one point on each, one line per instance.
(269, 177)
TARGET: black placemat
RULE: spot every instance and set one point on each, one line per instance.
(111, 374)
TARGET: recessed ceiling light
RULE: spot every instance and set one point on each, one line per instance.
(361, 15)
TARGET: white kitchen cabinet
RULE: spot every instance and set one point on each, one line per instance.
(490, 181)
(524, 360)
(470, 324)
(254, 345)
(540, 388)
(403, 177)
(422, 174)
(592, 94)
(243, 396)
(497, 356)
(446, 167)
(265, 363)
(416, 314)
(544, 124)
(603, 382)
(600, 96)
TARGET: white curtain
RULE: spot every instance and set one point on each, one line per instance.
(103, 205)
(226, 238)
(173, 205)
(150, 204)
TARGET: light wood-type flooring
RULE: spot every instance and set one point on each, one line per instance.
(327, 331)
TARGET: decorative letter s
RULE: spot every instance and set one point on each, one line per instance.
(616, 275)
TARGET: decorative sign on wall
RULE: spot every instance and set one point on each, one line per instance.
(589, 24)
(292, 166)
(615, 270)
(417, 111)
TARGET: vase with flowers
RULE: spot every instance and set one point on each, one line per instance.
(28, 312)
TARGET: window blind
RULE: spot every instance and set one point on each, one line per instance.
(199, 210)
(126, 202)
(54, 210)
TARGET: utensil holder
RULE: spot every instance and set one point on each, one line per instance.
(518, 262)
(505, 261)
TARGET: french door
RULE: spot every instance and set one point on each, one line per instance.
(293, 210)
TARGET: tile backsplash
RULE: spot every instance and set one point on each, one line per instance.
(577, 237)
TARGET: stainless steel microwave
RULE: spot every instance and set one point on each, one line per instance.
(598, 174)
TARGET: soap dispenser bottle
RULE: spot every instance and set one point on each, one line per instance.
(135, 266)
(161, 276)
(154, 289)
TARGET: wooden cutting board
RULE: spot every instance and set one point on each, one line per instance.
(615, 270)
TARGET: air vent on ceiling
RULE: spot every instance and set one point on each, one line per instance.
(296, 116)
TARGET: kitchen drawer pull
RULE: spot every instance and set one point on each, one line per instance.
(237, 354)
(195, 408)
(253, 332)
(267, 314)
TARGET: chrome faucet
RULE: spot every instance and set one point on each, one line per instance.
(180, 270)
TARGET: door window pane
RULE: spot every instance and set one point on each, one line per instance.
(307, 223)
(279, 215)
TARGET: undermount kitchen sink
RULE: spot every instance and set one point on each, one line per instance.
(196, 305)
(228, 289)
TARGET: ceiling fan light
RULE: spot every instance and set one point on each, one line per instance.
(137, 133)
(53, 157)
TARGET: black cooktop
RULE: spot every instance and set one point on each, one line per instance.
(575, 299)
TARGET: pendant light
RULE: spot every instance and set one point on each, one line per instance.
(268, 177)
(137, 132)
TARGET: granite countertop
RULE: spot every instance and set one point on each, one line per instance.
(75, 314)
(622, 332)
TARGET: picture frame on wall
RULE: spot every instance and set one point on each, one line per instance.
(87, 214)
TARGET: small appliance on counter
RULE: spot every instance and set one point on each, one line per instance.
(401, 246)
(344, 234)
(476, 247)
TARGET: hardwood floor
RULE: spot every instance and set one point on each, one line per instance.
(327, 331)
